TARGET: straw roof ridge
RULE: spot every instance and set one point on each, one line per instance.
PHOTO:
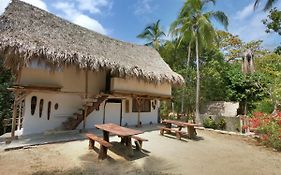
(27, 32)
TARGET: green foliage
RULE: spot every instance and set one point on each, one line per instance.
(266, 106)
(208, 122)
(248, 88)
(273, 21)
(221, 124)
(153, 35)
(270, 66)
(277, 50)
(6, 97)
(268, 4)
(270, 132)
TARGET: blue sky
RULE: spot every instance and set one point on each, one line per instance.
(125, 19)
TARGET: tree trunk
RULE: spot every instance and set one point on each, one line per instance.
(197, 113)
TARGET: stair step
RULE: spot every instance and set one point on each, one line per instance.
(90, 104)
(76, 113)
(87, 104)
(89, 100)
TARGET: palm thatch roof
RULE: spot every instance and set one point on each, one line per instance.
(27, 32)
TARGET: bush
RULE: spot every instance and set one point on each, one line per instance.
(269, 129)
(221, 124)
(209, 123)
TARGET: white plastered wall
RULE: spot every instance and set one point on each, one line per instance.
(129, 118)
(67, 105)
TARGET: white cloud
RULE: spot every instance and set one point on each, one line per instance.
(248, 25)
(245, 12)
(73, 14)
(250, 29)
(93, 6)
(37, 3)
(144, 7)
(89, 23)
(3, 5)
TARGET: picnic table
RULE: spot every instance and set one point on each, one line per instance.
(123, 132)
(179, 124)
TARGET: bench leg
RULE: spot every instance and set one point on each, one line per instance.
(178, 135)
(91, 144)
(128, 142)
(102, 152)
(138, 145)
(162, 131)
(123, 141)
(191, 132)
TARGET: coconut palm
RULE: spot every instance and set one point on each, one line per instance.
(194, 25)
(153, 33)
(268, 4)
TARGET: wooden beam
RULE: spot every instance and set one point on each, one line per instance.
(138, 105)
(86, 96)
(143, 95)
(14, 118)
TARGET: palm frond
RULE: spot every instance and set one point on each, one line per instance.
(221, 18)
(207, 1)
(257, 2)
(269, 4)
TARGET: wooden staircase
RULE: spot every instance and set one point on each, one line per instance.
(89, 106)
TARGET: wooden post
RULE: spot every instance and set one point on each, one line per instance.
(14, 117)
(20, 115)
(18, 78)
(138, 104)
(86, 96)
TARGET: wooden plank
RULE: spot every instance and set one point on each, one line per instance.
(118, 130)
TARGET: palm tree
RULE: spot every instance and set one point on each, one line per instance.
(194, 25)
(153, 33)
(267, 6)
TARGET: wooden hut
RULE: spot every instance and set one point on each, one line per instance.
(68, 77)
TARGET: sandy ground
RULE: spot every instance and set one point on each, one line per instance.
(212, 154)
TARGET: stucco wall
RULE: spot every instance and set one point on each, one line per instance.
(112, 114)
(70, 79)
(133, 85)
(69, 104)
(220, 108)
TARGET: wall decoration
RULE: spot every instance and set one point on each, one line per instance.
(56, 106)
(49, 110)
(33, 104)
(41, 104)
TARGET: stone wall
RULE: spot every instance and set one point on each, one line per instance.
(221, 109)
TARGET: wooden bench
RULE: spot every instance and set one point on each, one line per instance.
(104, 145)
(138, 142)
(179, 133)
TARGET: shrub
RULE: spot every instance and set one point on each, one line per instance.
(221, 124)
(209, 123)
(269, 129)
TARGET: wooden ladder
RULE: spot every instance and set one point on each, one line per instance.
(89, 106)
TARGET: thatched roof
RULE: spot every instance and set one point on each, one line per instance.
(27, 32)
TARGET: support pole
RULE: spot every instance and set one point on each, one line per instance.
(138, 104)
(14, 118)
(86, 96)
(18, 78)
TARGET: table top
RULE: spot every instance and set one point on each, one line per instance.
(179, 123)
(118, 130)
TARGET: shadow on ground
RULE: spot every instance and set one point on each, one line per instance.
(150, 165)
(184, 138)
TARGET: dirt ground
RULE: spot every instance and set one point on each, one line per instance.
(212, 154)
